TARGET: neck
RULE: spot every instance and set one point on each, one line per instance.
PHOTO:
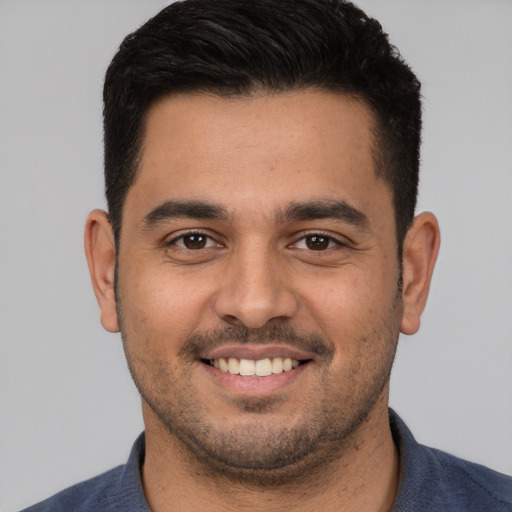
(363, 478)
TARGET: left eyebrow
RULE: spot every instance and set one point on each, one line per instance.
(324, 209)
(185, 209)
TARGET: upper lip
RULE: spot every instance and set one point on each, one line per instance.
(257, 352)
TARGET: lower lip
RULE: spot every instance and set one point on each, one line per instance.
(255, 386)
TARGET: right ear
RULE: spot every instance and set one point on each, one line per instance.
(100, 250)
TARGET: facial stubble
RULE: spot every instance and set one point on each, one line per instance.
(258, 452)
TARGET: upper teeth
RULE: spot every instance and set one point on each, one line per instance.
(250, 367)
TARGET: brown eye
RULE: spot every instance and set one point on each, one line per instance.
(317, 242)
(195, 241)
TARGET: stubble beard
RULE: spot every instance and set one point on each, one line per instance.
(263, 455)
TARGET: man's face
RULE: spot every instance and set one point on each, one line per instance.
(257, 233)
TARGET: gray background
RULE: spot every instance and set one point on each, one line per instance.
(69, 409)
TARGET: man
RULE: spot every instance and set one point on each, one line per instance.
(260, 257)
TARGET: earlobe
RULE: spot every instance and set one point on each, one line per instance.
(100, 251)
(420, 250)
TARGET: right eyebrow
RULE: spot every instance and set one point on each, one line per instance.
(191, 209)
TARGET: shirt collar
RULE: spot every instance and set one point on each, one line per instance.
(130, 492)
(416, 468)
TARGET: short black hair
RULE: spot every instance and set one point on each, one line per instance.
(236, 47)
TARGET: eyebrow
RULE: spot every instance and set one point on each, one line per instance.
(324, 209)
(192, 209)
(293, 212)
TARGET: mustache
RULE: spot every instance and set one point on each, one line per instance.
(197, 343)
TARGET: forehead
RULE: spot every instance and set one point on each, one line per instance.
(270, 149)
(308, 120)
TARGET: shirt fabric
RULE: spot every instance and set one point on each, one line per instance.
(430, 481)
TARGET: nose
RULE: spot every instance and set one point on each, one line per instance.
(255, 290)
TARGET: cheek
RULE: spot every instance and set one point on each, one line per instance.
(347, 300)
(358, 315)
(159, 306)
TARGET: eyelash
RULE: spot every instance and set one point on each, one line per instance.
(321, 238)
(182, 237)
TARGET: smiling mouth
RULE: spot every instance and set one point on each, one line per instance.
(254, 368)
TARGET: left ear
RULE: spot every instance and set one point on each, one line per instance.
(421, 246)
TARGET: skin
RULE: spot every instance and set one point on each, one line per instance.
(255, 284)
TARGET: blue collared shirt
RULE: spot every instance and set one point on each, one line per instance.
(430, 481)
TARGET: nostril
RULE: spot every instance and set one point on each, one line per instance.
(233, 320)
(253, 302)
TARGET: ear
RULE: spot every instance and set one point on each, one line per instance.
(100, 251)
(421, 246)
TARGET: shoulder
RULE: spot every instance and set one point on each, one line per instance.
(433, 480)
(477, 486)
(96, 494)
(115, 490)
